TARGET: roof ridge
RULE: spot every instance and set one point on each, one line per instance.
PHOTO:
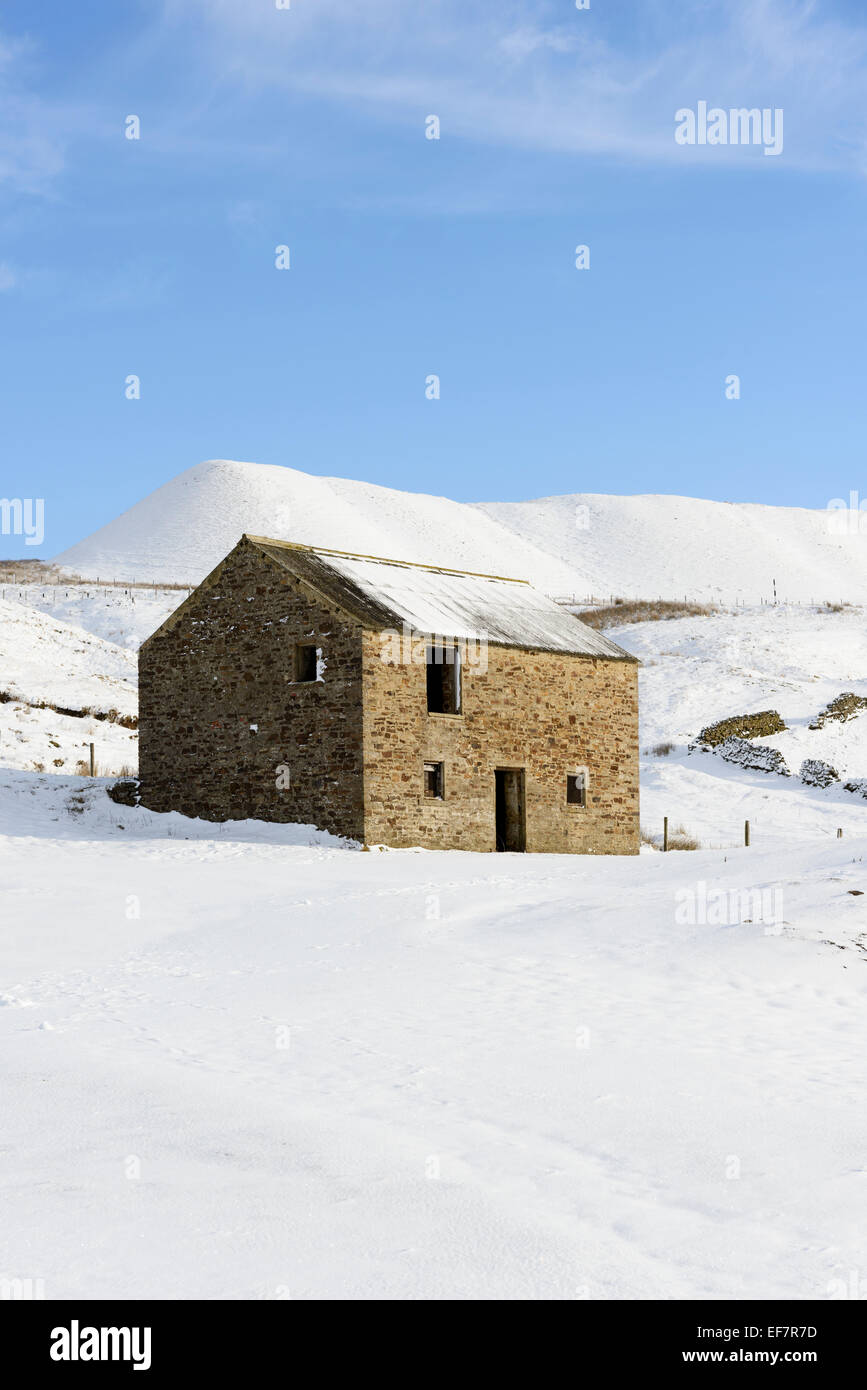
(382, 559)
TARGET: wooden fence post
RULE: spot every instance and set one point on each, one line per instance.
(747, 833)
(665, 832)
(92, 763)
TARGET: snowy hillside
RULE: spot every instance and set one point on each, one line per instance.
(181, 531)
(123, 617)
(43, 658)
(88, 681)
(696, 671)
(671, 547)
(642, 547)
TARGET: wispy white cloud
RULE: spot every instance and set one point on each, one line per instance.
(545, 76)
(520, 43)
(535, 75)
(35, 127)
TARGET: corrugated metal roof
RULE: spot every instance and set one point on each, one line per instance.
(441, 602)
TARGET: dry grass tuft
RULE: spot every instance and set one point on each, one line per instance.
(680, 838)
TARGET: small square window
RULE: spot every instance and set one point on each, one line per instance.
(576, 790)
(433, 780)
(305, 663)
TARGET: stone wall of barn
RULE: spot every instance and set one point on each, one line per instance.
(226, 732)
(547, 713)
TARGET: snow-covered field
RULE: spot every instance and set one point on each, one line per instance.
(252, 1061)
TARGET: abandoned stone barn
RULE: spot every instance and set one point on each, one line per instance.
(390, 702)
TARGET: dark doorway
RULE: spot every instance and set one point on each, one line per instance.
(510, 809)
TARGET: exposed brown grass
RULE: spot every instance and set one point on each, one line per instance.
(84, 581)
(624, 611)
(35, 572)
(28, 572)
(112, 716)
(82, 769)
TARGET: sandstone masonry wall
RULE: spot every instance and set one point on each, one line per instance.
(547, 713)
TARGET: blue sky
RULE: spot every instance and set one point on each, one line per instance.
(410, 257)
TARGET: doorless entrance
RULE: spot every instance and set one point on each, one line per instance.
(511, 832)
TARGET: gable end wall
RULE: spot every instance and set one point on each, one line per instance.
(226, 662)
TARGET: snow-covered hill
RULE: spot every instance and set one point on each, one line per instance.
(671, 547)
(181, 531)
(583, 544)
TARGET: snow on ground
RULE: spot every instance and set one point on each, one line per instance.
(698, 670)
(46, 661)
(46, 741)
(124, 617)
(253, 1063)
(42, 658)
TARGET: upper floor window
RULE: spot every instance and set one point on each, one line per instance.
(306, 658)
(443, 678)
